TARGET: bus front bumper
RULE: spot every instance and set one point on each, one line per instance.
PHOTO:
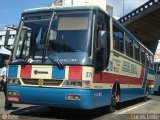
(59, 97)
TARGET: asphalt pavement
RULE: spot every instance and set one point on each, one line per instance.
(130, 110)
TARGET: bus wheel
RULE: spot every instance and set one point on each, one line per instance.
(115, 97)
(146, 93)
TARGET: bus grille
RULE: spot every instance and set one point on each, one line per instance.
(47, 82)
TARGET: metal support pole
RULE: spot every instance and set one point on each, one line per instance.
(123, 8)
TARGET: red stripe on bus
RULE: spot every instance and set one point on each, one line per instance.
(75, 72)
(26, 71)
(111, 78)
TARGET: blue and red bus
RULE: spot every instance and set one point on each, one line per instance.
(77, 57)
(157, 78)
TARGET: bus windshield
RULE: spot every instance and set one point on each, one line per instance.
(68, 35)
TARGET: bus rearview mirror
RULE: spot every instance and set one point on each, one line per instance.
(102, 36)
(7, 37)
(6, 41)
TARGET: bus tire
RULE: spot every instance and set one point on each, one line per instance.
(146, 93)
(115, 97)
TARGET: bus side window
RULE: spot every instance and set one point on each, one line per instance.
(118, 38)
(152, 61)
(129, 46)
(158, 69)
(142, 56)
(147, 60)
(136, 52)
(1, 62)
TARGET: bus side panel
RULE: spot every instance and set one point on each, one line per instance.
(131, 93)
(130, 87)
(151, 80)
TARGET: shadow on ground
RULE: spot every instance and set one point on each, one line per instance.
(70, 114)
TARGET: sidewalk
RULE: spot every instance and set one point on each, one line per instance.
(2, 102)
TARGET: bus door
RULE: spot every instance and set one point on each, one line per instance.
(146, 71)
(101, 53)
(145, 77)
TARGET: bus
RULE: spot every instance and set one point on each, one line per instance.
(77, 57)
(157, 77)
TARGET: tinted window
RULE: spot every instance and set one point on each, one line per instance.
(129, 46)
(142, 56)
(136, 52)
(118, 38)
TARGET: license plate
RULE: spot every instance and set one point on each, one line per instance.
(13, 98)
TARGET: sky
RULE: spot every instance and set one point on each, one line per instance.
(11, 10)
(129, 5)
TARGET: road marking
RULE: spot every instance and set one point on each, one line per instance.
(129, 109)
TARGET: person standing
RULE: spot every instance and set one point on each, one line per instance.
(4, 82)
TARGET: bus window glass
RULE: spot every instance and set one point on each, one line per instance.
(136, 52)
(67, 33)
(142, 56)
(24, 46)
(118, 37)
(151, 61)
(147, 60)
(158, 68)
(155, 68)
(129, 46)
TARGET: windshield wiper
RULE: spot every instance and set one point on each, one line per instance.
(55, 58)
(47, 37)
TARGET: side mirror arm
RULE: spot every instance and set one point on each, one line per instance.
(6, 41)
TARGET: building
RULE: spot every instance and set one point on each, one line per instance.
(100, 3)
(2, 40)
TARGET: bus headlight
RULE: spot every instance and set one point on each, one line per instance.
(13, 81)
(86, 84)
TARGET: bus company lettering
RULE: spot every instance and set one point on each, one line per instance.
(130, 68)
(68, 60)
(116, 69)
(40, 72)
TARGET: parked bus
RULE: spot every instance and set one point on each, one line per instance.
(77, 57)
(157, 77)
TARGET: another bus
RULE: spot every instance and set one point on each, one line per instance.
(77, 57)
(157, 78)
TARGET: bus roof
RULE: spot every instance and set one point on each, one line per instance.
(43, 9)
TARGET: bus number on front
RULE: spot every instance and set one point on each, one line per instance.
(88, 74)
